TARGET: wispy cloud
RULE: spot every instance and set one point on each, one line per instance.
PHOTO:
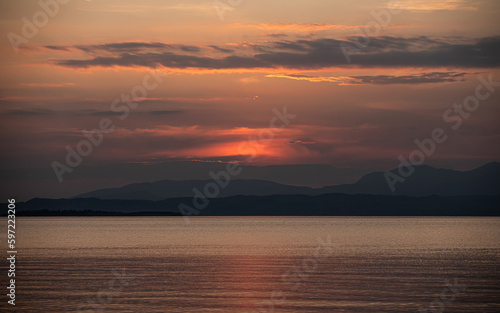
(341, 80)
(57, 48)
(422, 78)
(295, 27)
(24, 112)
(47, 85)
(439, 5)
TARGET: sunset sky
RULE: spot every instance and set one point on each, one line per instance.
(225, 68)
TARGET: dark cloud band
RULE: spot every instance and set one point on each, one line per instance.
(299, 54)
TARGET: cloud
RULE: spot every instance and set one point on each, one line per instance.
(217, 48)
(165, 112)
(189, 48)
(81, 113)
(131, 46)
(296, 27)
(307, 144)
(422, 78)
(47, 85)
(99, 113)
(303, 142)
(276, 35)
(166, 59)
(192, 141)
(341, 80)
(57, 48)
(22, 112)
(384, 51)
(123, 46)
(439, 5)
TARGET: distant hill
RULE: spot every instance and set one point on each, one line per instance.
(174, 189)
(278, 205)
(425, 181)
(29, 183)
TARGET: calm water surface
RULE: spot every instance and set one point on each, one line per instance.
(263, 264)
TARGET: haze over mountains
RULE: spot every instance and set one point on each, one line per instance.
(28, 183)
(427, 192)
(41, 183)
(424, 181)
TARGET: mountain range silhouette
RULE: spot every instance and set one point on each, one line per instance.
(424, 181)
(427, 192)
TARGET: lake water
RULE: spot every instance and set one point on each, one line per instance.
(256, 264)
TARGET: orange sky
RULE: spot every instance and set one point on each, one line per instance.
(228, 70)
